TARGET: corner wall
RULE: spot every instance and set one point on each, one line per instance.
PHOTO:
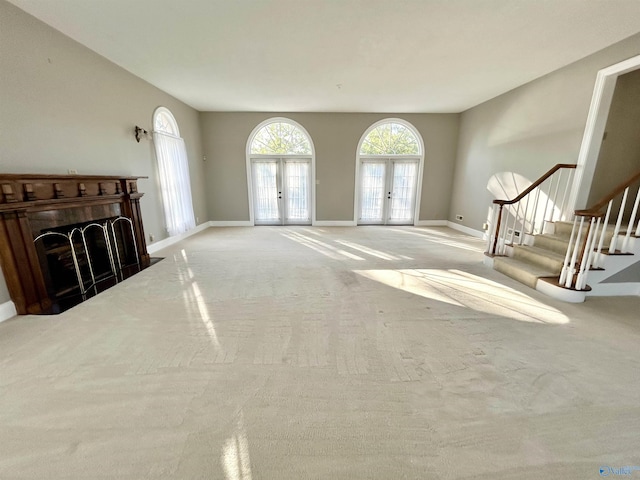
(65, 107)
(527, 130)
(620, 150)
(335, 137)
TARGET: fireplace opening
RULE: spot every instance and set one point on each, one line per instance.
(81, 260)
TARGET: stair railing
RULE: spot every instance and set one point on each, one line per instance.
(511, 220)
(591, 232)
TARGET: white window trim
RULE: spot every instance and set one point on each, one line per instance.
(250, 156)
(594, 129)
(359, 158)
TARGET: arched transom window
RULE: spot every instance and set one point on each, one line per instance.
(390, 139)
(280, 138)
(164, 122)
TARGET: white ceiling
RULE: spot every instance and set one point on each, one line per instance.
(340, 55)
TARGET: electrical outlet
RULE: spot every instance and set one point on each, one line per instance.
(485, 226)
(151, 237)
(72, 171)
(459, 218)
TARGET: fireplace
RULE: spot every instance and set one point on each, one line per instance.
(66, 238)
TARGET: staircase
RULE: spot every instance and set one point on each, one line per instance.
(529, 241)
(543, 256)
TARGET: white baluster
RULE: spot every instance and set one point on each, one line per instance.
(526, 213)
(515, 219)
(523, 220)
(591, 260)
(605, 224)
(581, 281)
(554, 207)
(614, 239)
(565, 264)
(535, 211)
(546, 205)
(574, 256)
(566, 192)
(625, 243)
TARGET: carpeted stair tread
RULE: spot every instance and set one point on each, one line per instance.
(546, 259)
(521, 270)
(552, 242)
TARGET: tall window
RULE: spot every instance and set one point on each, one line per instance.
(388, 180)
(173, 170)
(280, 172)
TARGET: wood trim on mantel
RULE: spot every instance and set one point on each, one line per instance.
(24, 197)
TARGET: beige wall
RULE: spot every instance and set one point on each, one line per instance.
(527, 130)
(620, 152)
(62, 106)
(335, 137)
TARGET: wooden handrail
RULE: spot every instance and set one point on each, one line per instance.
(535, 184)
(594, 211)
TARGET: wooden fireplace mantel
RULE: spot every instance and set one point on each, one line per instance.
(31, 204)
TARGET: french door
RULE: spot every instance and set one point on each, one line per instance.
(281, 191)
(387, 191)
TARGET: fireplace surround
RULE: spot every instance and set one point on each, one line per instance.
(66, 237)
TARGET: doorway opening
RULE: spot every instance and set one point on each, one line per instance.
(280, 173)
(389, 174)
(593, 134)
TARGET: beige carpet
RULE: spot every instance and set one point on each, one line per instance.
(322, 353)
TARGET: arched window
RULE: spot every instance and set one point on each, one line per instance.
(280, 173)
(388, 174)
(390, 139)
(173, 171)
(280, 138)
(164, 122)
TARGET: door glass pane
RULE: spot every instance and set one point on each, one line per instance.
(403, 191)
(372, 191)
(265, 191)
(297, 191)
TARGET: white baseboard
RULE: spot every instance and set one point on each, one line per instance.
(431, 223)
(230, 223)
(626, 289)
(467, 230)
(334, 223)
(7, 310)
(159, 245)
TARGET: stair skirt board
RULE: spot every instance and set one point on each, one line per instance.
(550, 287)
(627, 289)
